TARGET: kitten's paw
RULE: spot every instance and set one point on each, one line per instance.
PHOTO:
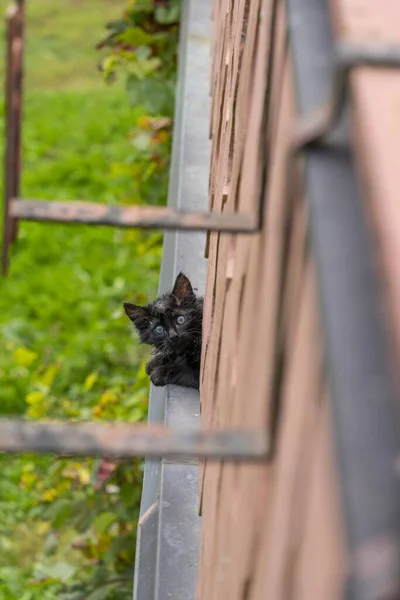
(153, 364)
(149, 367)
(159, 376)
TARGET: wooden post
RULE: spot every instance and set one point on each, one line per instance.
(15, 20)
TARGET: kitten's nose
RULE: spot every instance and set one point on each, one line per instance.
(172, 333)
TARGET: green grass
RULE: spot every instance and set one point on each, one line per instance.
(61, 37)
(62, 298)
(66, 350)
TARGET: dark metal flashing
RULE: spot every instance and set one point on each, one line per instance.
(319, 123)
(362, 391)
(169, 528)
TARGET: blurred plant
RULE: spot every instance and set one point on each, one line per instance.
(68, 527)
(142, 48)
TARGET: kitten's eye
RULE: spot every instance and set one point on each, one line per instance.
(181, 319)
(158, 330)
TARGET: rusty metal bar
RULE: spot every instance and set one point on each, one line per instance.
(145, 217)
(126, 440)
(316, 125)
(17, 90)
(15, 20)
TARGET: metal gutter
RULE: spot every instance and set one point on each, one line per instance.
(169, 528)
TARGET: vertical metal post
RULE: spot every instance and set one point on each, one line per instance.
(15, 21)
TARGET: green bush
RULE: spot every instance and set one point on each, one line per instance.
(67, 527)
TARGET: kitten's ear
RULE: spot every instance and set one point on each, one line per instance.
(182, 288)
(134, 312)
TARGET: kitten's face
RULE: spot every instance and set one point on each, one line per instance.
(171, 321)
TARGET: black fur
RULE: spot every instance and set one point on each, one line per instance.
(177, 349)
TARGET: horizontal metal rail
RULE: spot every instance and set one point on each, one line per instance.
(145, 217)
(128, 440)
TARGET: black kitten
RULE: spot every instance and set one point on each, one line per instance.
(172, 325)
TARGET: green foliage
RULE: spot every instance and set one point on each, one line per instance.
(67, 527)
(142, 48)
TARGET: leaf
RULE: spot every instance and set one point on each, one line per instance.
(47, 378)
(108, 397)
(135, 36)
(51, 543)
(61, 570)
(133, 400)
(24, 357)
(36, 411)
(50, 495)
(154, 95)
(59, 512)
(90, 380)
(84, 475)
(72, 596)
(28, 479)
(103, 522)
(144, 67)
(8, 573)
(85, 520)
(165, 15)
(35, 398)
(101, 593)
(119, 545)
(137, 6)
(42, 528)
(137, 415)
